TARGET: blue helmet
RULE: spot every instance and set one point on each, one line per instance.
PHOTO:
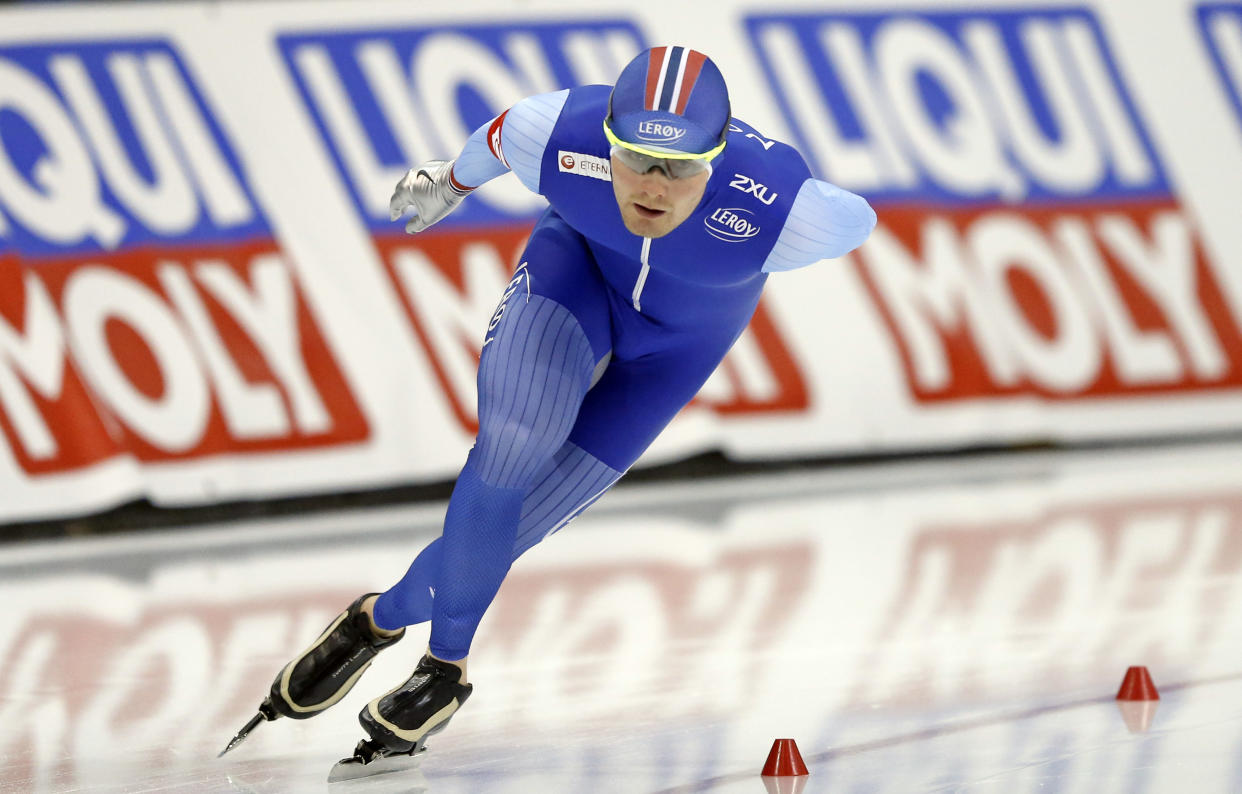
(671, 99)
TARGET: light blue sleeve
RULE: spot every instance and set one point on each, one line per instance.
(824, 222)
(522, 136)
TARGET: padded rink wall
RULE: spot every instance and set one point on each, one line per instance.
(202, 297)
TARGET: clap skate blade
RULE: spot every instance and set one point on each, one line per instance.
(267, 713)
(371, 758)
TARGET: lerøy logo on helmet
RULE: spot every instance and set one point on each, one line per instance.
(731, 224)
(659, 132)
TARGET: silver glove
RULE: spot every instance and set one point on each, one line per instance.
(427, 190)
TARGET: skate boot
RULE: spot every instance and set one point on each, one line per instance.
(326, 671)
(323, 673)
(400, 722)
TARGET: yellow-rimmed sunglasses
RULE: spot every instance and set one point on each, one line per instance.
(675, 165)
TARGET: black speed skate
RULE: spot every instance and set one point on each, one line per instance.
(322, 674)
(399, 722)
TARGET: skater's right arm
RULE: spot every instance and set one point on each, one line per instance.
(513, 141)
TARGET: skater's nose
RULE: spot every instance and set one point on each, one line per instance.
(654, 183)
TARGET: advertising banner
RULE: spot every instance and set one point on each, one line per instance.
(202, 296)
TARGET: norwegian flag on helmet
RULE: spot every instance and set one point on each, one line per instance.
(671, 97)
(671, 75)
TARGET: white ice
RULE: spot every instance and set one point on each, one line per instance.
(934, 625)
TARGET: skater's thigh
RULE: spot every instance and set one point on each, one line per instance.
(540, 355)
(636, 399)
(558, 265)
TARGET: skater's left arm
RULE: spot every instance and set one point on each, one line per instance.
(513, 141)
(824, 222)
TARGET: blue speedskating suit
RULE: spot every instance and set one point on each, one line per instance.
(602, 336)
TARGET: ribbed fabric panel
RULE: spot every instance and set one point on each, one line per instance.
(573, 481)
(476, 164)
(526, 132)
(566, 486)
(477, 547)
(524, 136)
(824, 222)
(532, 377)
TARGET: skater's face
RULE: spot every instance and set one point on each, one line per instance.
(653, 204)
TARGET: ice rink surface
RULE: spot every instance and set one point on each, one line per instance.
(937, 625)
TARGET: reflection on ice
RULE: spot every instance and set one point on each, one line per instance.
(937, 625)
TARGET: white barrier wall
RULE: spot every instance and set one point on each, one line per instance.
(202, 298)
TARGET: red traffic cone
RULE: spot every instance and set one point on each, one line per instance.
(784, 760)
(1137, 685)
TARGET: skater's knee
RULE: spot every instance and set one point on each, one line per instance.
(510, 452)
